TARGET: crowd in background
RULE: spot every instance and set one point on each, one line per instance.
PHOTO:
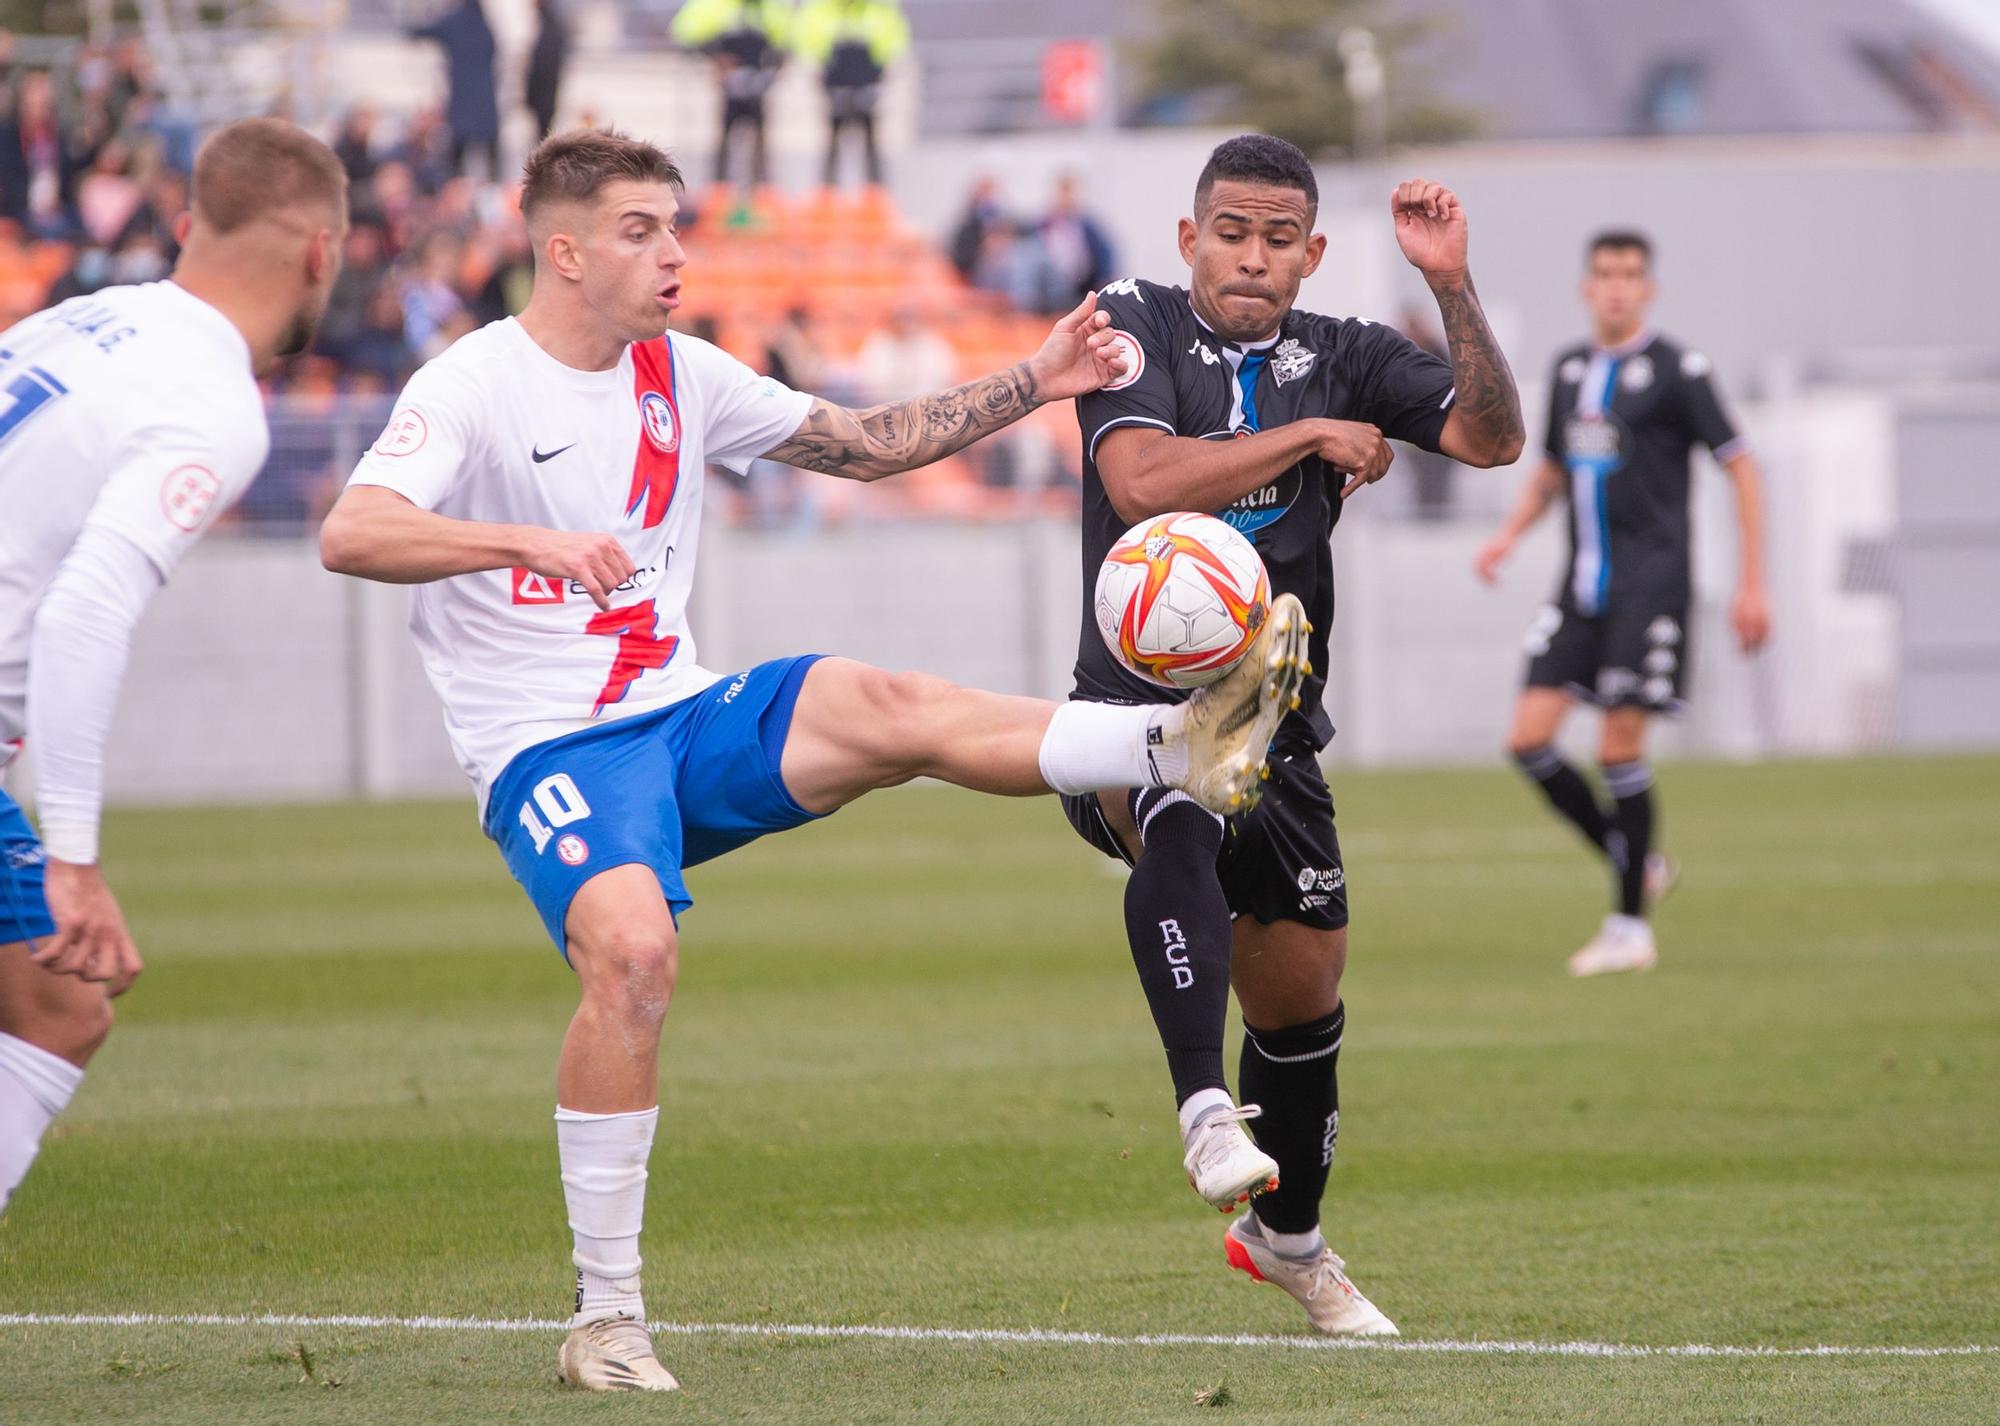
(94, 165)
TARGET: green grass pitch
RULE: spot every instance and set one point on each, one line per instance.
(910, 1080)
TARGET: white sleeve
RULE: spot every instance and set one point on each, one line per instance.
(743, 414)
(76, 663)
(177, 472)
(429, 436)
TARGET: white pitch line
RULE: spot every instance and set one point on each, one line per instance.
(1000, 1336)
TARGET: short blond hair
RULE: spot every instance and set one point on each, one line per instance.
(260, 168)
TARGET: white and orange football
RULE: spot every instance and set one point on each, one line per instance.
(1180, 597)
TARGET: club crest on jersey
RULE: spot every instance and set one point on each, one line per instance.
(187, 495)
(656, 466)
(656, 413)
(1637, 373)
(1291, 361)
(1126, 346)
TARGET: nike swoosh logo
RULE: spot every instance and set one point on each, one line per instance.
(541, 455)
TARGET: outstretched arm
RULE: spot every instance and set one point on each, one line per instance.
(1485, 426)
(896, 436)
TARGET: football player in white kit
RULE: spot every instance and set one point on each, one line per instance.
(129, 421)
(541, 482)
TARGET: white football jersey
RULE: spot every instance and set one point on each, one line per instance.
(132, 409)
(497, 430)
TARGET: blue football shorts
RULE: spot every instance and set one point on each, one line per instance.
(24, 913)
(668, 790)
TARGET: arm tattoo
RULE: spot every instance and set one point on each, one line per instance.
(1487, 400)
(902, 435)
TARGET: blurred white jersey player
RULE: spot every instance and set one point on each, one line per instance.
(130, 420)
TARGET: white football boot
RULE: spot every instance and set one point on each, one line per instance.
(1663, 874)
(1333, 1304)
(1624, 943)
(1229, 723)
(1224, 1165)
(614, 1354)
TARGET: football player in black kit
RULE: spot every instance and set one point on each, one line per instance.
(1235, 404)
(1623, 412)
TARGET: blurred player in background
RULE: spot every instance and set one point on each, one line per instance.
(1624, 411)
(542, 482)
(131, 421)
(1237, 404)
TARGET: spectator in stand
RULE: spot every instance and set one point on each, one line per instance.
(107, 196)
(431, 304)
(1431, 472)
(426, 148)
(546, 62)
(1074, 246)
(378, 349)
(983, 215)
(472, 105)
(510, 275)
(746, 40)
(363, 267)
(37, 169)
(355, 145)
(164, 199)
(853, 42)
(904, 359)
(793, 355)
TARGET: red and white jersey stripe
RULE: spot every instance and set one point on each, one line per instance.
(495, 429)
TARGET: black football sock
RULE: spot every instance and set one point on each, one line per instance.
(1565, 787)
(1631, 830)
(1177, 920)
(1294, 1075)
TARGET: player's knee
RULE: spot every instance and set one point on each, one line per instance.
(76, 1031)
(633, 969)
(900, 709)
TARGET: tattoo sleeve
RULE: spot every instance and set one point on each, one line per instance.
(902, 435)
(1488, 404)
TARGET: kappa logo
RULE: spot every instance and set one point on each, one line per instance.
(1123, 287)
(1291, 361)
(1175, 945)
(1200, 349)
(1694, 365)
(531, 588)
(657, 415)
(1660, 661)
(1664, 631)
(1571, 370)
(23, 855)
(1616, 683)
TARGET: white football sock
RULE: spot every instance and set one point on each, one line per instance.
(1092, 746)
(603, 1160)
(1200, 1105)
(34, 1087)
(1631, 927)
(1309, 1244)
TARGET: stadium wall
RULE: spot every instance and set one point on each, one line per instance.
(259, 676)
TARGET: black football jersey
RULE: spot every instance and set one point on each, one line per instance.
(1184, 379)
(1621, 423)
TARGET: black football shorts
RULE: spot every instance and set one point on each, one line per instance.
(1635, 655)
(1280, 861)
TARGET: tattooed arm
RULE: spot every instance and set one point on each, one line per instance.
(1079, 356)
(1485, 426)
(902, 435)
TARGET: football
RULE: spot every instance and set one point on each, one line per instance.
(1180, 597)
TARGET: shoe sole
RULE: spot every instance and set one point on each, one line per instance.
(1240, 1196)
(1234, 785)
(1639, 969)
